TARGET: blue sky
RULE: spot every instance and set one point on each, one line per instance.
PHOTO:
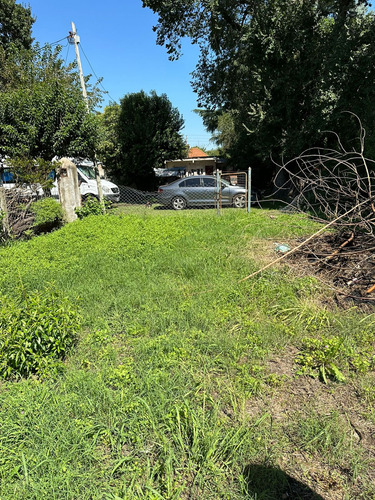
(118, 41)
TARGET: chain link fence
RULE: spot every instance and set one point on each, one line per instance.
(195, 191)
(219, 191)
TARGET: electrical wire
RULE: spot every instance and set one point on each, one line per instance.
(67, 54)
(96, 76)
(58, 41)
(87, 59)
(53, 43)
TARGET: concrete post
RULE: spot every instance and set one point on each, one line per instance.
(69, 193)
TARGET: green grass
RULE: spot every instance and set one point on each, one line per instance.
(167, 394)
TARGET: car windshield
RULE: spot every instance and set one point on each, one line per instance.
(89, 172)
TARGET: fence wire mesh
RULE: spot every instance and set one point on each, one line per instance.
(190, 192)
(195, 191)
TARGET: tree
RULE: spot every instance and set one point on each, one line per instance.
(15, 25)
(109, 147)
(42, 112)
(148, 133)
(284, 71)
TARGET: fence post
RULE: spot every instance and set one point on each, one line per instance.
(249, 190)
(69, 194)
(99, 184)
(218, 188)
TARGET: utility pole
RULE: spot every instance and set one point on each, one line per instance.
(73, 38)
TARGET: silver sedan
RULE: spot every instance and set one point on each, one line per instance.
(201, 190)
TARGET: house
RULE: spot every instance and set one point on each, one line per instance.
(197, 163)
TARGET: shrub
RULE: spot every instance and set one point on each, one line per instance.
(36, 330)
(48, 215)
(92, 206)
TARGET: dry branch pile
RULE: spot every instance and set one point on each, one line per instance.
(344, 263)
(338, 186)
(335, 185)
(19, 215)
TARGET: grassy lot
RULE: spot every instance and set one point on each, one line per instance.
(184, 383)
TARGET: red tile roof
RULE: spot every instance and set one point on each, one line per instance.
(196, 153)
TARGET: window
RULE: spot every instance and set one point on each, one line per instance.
(87, 171)
(209, 182)
(192, 182)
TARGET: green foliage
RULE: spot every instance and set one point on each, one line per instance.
(318, 356)
(36, 330)
(274, 75)
(15, 27)
(92, 206)
(148, 132)
(170, 391)
(31, 171)
(42, 111)
(48, 214)
(109, 146)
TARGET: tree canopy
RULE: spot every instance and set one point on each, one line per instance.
(148, 132)
(274, 75)
(42, 111)
(15, 25)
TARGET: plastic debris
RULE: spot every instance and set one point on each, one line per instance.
(281, 248)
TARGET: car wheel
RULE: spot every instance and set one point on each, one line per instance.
(239, 201)
(178, 203)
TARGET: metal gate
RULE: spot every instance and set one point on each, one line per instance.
(233, 189)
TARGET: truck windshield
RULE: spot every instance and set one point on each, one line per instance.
(87, 171)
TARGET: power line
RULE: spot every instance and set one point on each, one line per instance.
(67, 54)
(87, 59)
(58, 41)
(53, 43)
(96, 76)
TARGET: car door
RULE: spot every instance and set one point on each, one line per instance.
(192, 190)
(226, 193)
(209, 190)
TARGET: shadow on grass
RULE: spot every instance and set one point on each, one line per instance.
(271, 483)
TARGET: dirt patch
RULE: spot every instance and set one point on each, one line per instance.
(302, 397)
(261, 252)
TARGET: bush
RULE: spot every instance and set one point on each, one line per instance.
(48, 215)
(36, 330)
(92, 206)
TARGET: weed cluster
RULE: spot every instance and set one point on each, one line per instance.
(93, 206)
(327, 355)
(319, 355)
(169, 392)
(48, 214)
(36, 330)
